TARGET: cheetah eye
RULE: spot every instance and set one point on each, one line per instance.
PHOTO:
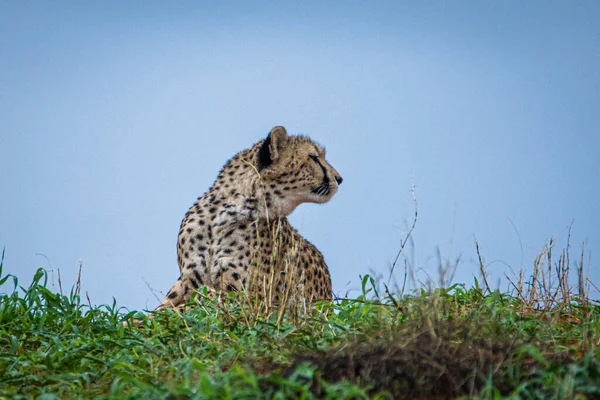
(314, 157)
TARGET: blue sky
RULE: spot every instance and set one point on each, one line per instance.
(115, 117)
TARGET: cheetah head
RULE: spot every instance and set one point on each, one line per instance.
(295, 171)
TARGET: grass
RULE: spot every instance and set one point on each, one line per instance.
(538, 342)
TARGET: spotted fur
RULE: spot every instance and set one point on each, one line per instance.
(237, 232)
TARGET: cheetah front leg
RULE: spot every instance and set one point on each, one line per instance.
(180, 294)
(177, 297)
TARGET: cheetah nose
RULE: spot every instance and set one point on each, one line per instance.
(339, 179)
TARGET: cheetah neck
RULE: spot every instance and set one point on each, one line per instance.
(240, 194)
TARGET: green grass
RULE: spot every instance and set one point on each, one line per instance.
(446, 343)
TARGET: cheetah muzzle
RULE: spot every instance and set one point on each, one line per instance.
(236, 237)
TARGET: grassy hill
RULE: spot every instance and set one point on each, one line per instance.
(443, 343)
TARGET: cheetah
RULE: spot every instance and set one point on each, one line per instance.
(240, 225)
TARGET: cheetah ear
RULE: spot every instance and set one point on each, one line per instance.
(272, 147)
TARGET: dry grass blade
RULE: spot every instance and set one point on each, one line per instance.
(407, 237)
(482, 266)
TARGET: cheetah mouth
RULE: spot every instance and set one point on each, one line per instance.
(322, 190)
